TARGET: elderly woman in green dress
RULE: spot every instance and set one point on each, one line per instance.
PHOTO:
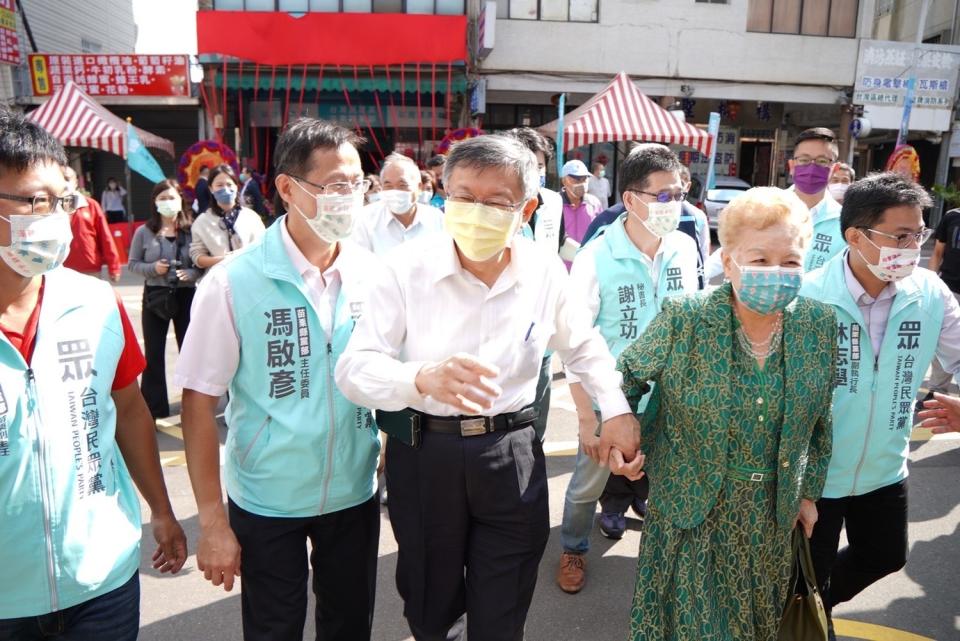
(737, 432)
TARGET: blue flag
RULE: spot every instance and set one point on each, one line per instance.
(139, 159)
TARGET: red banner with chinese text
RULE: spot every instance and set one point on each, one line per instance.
(355, 39)
(111, 74)
(9, 40)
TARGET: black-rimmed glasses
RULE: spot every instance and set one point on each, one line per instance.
(45, 203)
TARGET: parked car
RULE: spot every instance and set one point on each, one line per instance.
(725, 189)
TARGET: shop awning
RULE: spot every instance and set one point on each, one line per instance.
(77, 120)
(278, 38)
(622, 112)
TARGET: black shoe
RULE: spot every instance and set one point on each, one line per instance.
(928, 397)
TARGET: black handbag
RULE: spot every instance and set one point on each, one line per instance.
(162, 301)
(804, 617)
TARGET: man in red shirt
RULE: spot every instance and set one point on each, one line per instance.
(76, 437)
(92, 246)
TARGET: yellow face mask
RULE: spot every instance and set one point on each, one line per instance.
(480, 231)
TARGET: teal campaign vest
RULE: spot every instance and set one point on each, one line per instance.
(827, 240)
(629, 298)
(69, 514)
(874, 396)
(296, 447)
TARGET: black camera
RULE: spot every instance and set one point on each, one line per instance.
(172, 277)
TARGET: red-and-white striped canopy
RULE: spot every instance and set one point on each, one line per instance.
(77, 120)
(622, 112)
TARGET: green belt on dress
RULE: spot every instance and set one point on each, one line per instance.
(754, 474)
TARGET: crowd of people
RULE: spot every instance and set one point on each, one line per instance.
(724, 416)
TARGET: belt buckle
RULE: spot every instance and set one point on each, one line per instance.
(473, 426)
(757, 477)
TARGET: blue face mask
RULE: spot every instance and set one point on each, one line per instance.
(543, 180)
(225, 195)
(768, 290)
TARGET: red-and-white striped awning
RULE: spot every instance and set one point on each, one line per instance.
(77, 120)
(622, 112)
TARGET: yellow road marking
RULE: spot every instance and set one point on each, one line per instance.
(873, 632)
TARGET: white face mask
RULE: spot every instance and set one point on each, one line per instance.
(38, 244)
(373, 197)
(169, 208)
(895, 263)
(335, 214)
(837, 190)
(425, 197)
(398, 201)
(662, 218)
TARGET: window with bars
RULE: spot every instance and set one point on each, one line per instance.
(830, 18)
(549, 10)
(434, 7)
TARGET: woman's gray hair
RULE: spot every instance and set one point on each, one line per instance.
(496, 152)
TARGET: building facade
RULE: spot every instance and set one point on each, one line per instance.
(102, 30)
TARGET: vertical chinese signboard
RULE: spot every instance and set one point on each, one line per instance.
(111, 74)
(9, 41)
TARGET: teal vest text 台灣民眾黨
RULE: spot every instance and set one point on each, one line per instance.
(827, 241)
(70, 524)
(873, 400)
(296, 447)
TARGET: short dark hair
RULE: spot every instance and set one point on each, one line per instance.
(868, 199)
(436, 161)
(532, 140)
(300, 139)
(818, 133)
(815, 133)
(24, 143)
(643, 160)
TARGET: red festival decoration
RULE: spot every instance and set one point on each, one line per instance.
(905, 161)
(456, 136)
(278, 38)
(206, 153)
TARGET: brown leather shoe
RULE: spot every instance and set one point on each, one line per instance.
(572, 573)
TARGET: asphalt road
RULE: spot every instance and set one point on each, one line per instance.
(920, 602)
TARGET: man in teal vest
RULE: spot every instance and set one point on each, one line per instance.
(269, 326)
(624, 276)
(814, 157)
(75, 433)
(893, 318)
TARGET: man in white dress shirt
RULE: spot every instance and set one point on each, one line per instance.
(450, 357)
(300, 459)
(397, 216)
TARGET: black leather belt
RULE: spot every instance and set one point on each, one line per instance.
(406, 425)
(476, 425)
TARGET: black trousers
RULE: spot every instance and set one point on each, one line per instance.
(273, 595)
(620, 493)
(153, 383)
(876, 525)
(471, 518)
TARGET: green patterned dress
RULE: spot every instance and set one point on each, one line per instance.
(726, 578)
